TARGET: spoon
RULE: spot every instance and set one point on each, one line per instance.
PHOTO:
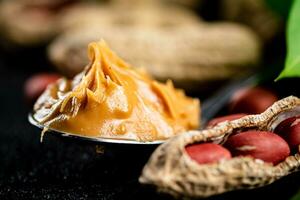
(102, 140)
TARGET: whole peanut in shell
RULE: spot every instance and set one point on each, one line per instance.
(262, 145)
(206, 153)
(289, 129)
(252, 100)
(218, 120)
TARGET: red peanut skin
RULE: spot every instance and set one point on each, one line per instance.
(252, 100)
(218, 120)
(36, 84)
(289, 129)
(262, 145)
(206, 153)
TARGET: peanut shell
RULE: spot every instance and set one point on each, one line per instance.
(172, 171)
(187, 54)
(256, 14)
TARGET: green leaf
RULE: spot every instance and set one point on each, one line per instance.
(292, 62)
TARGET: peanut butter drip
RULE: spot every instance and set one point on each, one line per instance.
(113, 100)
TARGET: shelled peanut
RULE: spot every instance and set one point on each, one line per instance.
(35, 85)
(252, 100)
(207, 153)
(248, 100)
(218, 120)
(264, 145)
(289, 129)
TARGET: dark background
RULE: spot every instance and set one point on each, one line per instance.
(65, 168)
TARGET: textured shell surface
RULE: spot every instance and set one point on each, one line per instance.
(172, 171)
(186, 54)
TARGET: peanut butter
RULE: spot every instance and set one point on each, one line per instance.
(111, 99)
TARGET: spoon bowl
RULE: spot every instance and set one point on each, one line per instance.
(102, 140)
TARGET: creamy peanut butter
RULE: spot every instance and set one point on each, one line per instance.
(111, 99)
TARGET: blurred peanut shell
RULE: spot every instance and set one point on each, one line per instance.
(186, 54)
(142, 14)
(256, 14)
(24, 25)
(82, 14)
(172, 171)
(189, 3)
(29, 23)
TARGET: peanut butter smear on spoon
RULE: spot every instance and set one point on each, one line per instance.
(111, 99)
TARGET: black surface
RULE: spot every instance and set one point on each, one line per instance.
(69, 169)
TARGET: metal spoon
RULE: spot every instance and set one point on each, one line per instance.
(95, 139)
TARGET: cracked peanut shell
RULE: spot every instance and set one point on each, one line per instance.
(172, 171)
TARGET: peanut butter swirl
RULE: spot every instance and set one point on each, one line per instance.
(111, 99)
